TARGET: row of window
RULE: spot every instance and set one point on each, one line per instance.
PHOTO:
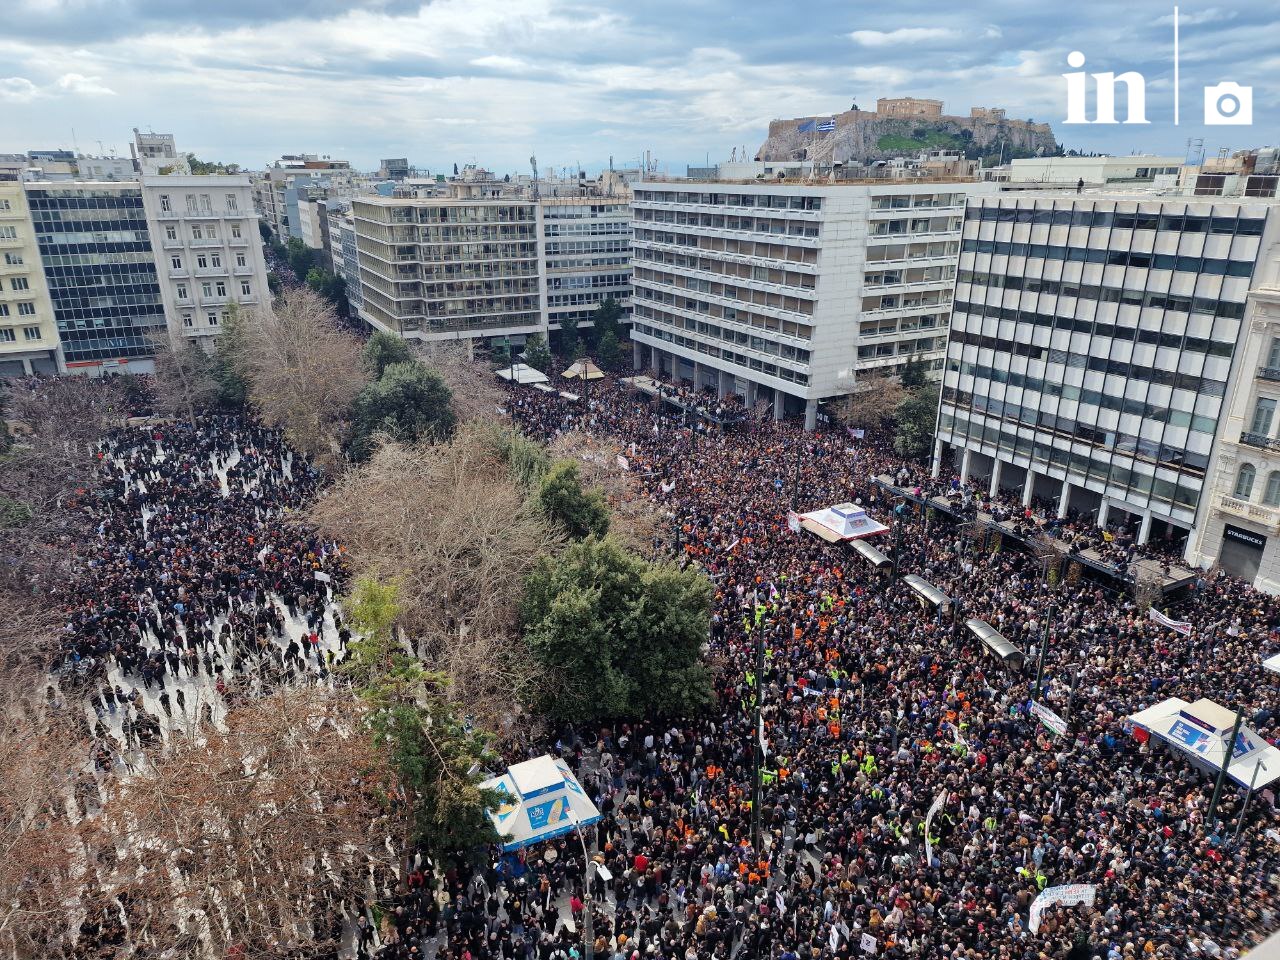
(1086, 291)
(872, 351)
(25, 309)
(203, 231)
(700, 221)
(1217, 348)
(1082, 361)
(1132, 258)
(714, 331)
(554, 247)
(588, 229)
(200, 203)
(42, 201)
(581, 299)
(729, 268)
(1244, 485)
(8, 335)
(588, 280)
(760, 201)
(208, 261)
(1182, 222)
(215, 288)
(729, 356)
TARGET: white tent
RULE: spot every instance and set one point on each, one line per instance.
(583, 370)
(844, 521)
(1199, 732)
(522, 373)
(1272, 663)
(541, 799)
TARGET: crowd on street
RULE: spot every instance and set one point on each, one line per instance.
(199, 586)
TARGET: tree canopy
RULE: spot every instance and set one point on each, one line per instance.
(407, 402)
(582, 513)
(623, 636)
(916, 418)
(383, 349)
(536, 352)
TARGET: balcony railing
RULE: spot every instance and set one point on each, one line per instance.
(1268, 516)
(1269, 373)
(1260, 440)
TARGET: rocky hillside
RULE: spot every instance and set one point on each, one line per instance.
(864, 136)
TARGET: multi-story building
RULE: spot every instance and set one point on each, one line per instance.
(157, 153)
(346, 258)
(586, 245)
(207, 246)
(28, 334)
(1239, 526)
(1092, 341)
(788, 291)
(437, 268)
(278, 190)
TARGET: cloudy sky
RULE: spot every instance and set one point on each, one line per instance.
(492, 80)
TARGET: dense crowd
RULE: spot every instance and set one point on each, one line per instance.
(874, 707)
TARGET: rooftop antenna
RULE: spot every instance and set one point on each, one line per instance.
(533, 162)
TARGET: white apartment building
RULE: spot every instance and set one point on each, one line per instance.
(29, 341)
(788, 291)
(208, 251)
(586, 250)
(441, 268)
(346, 258)
(1092, 340)
(1239, 528)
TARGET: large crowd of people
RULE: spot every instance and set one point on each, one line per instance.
(875, 708)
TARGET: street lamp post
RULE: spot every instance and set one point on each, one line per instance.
(588, 934)
(1226, 762)
(1253, 780)
(1044, 647)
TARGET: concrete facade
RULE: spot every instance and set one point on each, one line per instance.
(29, 341)
(586, 246)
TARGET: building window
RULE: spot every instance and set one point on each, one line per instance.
(187, 320)
(26, 309)
(206, 289)
(19, 283)
(197, 232)
(212, 232)
(245, 290)
(176, 262)
(215, 259)
(1262, 414)
(1244, 482)
(202, 262)
(231, 201)
(213, 319)
(8, 233)
(206, 204)
(222, 289)
(1271, 496)
(1273, 355)
(4, 205)
(171, 232)
(166, 205)
(241, 261)
(13, 259)
(191, 203)
(31, 333)
(7, 336)
(4, 309)
(235, 231)
(182, 291)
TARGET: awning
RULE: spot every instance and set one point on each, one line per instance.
(540, 799)
(1272, 663)
(544, 388)
(869, 553)
(995, 642)
(1199, 731)
(570, 396)
(926, 590)
(844, 521)
(583, 370)
(522, 373)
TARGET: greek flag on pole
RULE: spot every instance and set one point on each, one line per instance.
(764, 747)
(826, 126)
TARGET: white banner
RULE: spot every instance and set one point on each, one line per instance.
(1067, 895)
(667, 487)
(623, 462)
(868, 943)
(322, 576)
(1049, 718)
(928, 823)
(793, 521)
(1178, 626)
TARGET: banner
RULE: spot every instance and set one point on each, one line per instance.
(793, 521)
(322, 576)
(858, 434)
(1067, 895)
(667, 487)
(623, 462)
(868, 943)
(1178, 626)
(1050, 719)
(928, 824)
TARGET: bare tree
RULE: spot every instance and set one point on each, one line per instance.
(871, 403)
(634, 518)
(184, 380)
(476, 392)
(452, 526)
(304, 371)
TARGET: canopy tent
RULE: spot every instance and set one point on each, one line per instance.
(544, 388)
(995, 642)
(844, 521)
(869, 553)
(541, 799)
(522, 373)
(583, 370)
(1199, 732)
(926, 590)
(1272, 663)
(571, 397)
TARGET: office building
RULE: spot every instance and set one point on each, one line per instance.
(1092, 341)
(586, 245)
(443, 268)
(789, 291)
(96, 250)
(208, 249)
(156, 154)
(346, 258)
(28, 334)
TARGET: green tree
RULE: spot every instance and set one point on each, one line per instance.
(330, 286)
(435, 753)
(264, 231)
(203, 168)
(915, 419)
(624, 636)
(273, 283)
(536, 353)
(913, 374)
(300, 257)
(568, 343)
(408, 402)
(605, 319)
(582, 513)
(384, 349)
(608, 352)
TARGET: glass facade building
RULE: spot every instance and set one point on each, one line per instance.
(101, 272)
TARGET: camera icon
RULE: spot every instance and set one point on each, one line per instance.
(1228, 104)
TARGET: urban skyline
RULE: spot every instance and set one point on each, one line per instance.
(490, 83)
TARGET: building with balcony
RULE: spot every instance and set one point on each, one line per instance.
(1093, 338)
(346, 258)
(435, 268)
(95, 247)
(28, 332)
(789, 291)
(207, 247)
(586, 248)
